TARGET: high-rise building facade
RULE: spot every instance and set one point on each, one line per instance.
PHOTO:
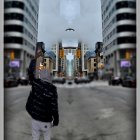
(55, 49)
(84, 48)
(119, 35)
(91, 64)
(49, 61)
(20, 34)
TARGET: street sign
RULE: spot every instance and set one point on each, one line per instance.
(15, 63)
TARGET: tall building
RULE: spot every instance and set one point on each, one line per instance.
(20, 34)
(119, 35)
(99, 59)
(55, 49)
(84, 48)
(49, 60)
(91, 64)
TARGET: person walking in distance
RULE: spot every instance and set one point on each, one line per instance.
(42, 103)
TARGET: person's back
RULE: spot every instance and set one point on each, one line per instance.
(31, 70)
(42, 104)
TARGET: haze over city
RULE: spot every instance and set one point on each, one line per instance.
(83, 16)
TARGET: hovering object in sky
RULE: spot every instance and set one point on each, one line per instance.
(69, 29)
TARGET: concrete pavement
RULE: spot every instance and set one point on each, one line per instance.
(98, 112)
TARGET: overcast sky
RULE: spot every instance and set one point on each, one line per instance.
(84, 16)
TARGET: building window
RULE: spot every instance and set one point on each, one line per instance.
(101, 56)
(18, 40)
(122, 40)
(126, 4)
(122, 28)
(13, 16)
(12, 28)
(13, 4)
(126, 16)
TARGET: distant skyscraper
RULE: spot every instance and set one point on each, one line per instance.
(20, 34)
(55, 49)
(119, 35)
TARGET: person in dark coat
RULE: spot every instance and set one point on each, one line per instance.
(42, 104)
(31, 70)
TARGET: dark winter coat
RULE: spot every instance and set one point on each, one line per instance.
(31, 70)
(42, 103)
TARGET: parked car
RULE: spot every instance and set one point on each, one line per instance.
(23, 81)
(10, 81)
(115, 81)
(60, 80)
(78, 80)
(85, 80)
(129, 81)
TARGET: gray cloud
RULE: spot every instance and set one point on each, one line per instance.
(87, 25)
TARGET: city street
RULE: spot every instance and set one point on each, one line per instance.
(92, 111)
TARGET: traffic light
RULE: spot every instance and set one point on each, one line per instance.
(60, 53)
(78, 53)
(12, 55)
(127, 55)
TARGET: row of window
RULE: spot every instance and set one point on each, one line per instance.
(16, 4)
(126, 16)
(29, 35)
(109, 35)
(121, 40)
(120, 28)
(123, 28)
(113, 43)
(109, 25)
(32, 7)
(12, 16)
(17, 16)
(122, 16)
(26, 43)
(8, 28)
(126, 4)
(123, 4)
(18, 40)
(31, 16)
(109, 15)
(30, 25)
(107, 7)
(19, 28)
(13, 4)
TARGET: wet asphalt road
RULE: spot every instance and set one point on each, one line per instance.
(98, 112)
